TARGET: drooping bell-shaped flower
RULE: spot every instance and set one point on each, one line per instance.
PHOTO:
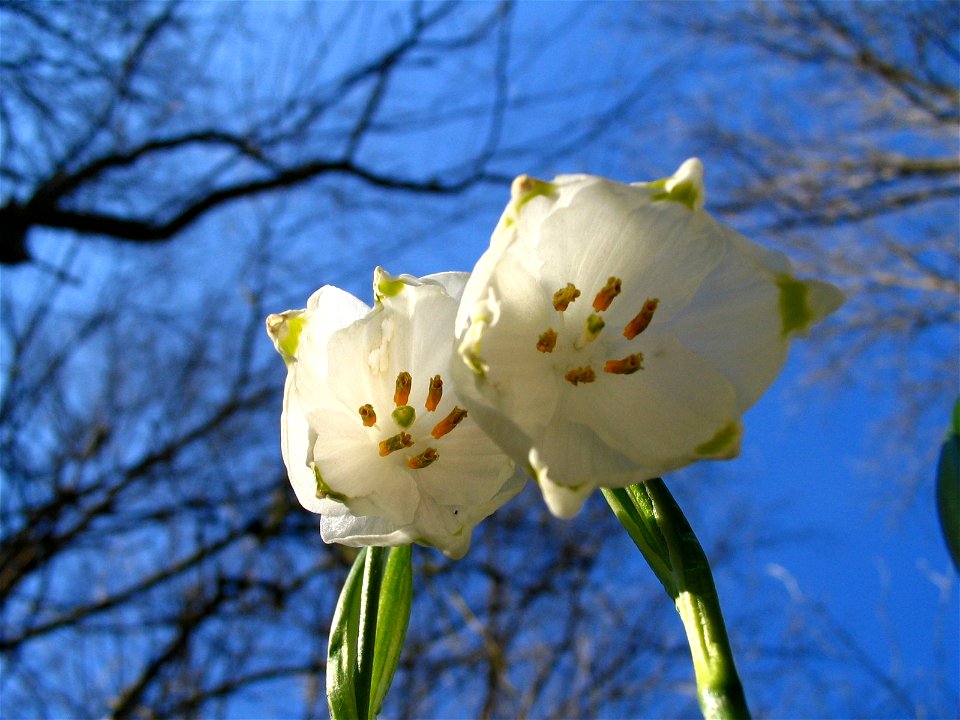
(373, 434)
(612, 333)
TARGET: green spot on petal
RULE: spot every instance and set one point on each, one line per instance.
(404, 416)
(795, 314)
(725, 444)
(685, 193)
(323, 490)
(389, 288)
(290, 334)
(525, 189)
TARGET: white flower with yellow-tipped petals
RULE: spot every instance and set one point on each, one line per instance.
(374, 436)
(612, 333)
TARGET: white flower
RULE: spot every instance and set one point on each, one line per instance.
(373, 438)
(612, 333)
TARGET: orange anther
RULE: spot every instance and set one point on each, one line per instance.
(629, 365)
(402, 393)
(368, 415)
(578, 375)
(642, 320)
(434, 393)
(547, 341)
(427, 457)
(606, 295)
(564, 296)
(397, 442)
(455, 417)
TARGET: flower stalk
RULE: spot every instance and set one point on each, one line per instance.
(663, 535)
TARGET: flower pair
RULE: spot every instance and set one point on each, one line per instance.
(610, 333)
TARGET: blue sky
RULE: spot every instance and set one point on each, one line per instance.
(846, 496)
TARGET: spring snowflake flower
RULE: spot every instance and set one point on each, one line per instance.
(612, 333)
(373, 437)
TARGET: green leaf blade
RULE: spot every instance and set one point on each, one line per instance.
(393, 617)
(342, 651)
(948, 488)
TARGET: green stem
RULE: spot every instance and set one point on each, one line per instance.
(658, 527)
(369, 600)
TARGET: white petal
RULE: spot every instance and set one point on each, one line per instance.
(661, 414)
(471, 469)
(341, 366)
(361, 531)
(659, 250)
(328, 311)
(295, 447)
(734, 321)
(452, 282)
(350, 463)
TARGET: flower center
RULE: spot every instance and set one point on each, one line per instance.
(578, 373)
(404, 425)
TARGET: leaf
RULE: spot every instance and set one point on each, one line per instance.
(393, 616)
(948, 488)
(368, 630)
(342, 651)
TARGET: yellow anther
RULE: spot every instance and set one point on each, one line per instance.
(606, 295)
(547, 341)
(455, 417)
(397, 442)
(427, 457)
(628, 366)
(578, 375)
(642, 320)
(368, 415)
(402, 393)
(564, 296)
(434, 393)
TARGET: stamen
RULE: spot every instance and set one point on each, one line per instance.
(628, 366)
(434, 393)
(455, 417)
(606, 295)
(583, 374)
(368, 415)
(547, 341)
(563, 297)
(427, 457)
(397, 442)
(404, 416)
(642, 320)
(402, 393)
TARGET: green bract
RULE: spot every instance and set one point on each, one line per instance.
(612, 333)
(372, 438)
